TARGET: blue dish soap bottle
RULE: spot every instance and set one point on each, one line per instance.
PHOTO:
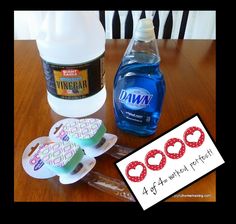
(139, 86)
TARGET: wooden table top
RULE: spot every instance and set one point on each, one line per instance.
(190, 75)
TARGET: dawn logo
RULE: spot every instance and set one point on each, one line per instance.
(135, 98)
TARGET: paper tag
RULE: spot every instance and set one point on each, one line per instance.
(31, 161)
(84, 167)
(170, 162)
(59, 132)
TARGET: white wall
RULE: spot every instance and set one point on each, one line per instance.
(200, 25)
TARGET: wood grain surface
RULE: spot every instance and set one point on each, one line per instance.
(189, 71)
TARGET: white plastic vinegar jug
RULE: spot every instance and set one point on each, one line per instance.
(72, 45)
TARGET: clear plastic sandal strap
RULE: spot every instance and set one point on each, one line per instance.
(109, 185)
(119, 151)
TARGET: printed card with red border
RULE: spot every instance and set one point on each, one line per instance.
(170, 162)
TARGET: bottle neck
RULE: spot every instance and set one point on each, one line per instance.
(139, 49)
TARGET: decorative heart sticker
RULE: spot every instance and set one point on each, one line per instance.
(174, 148)
(155, 159)
(194, 137)
(134, 173)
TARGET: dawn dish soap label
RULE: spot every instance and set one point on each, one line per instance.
(138, 100)
(135, 98)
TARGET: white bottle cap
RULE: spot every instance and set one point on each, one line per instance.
(144, 30)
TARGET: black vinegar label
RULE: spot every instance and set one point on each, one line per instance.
(75, 81)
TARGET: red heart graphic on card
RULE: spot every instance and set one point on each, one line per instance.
(136, 171)
(194, 137)
(155, 159)
(174, 148)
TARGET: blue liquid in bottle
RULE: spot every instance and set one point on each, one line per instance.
(139, 90)
(139, 86)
